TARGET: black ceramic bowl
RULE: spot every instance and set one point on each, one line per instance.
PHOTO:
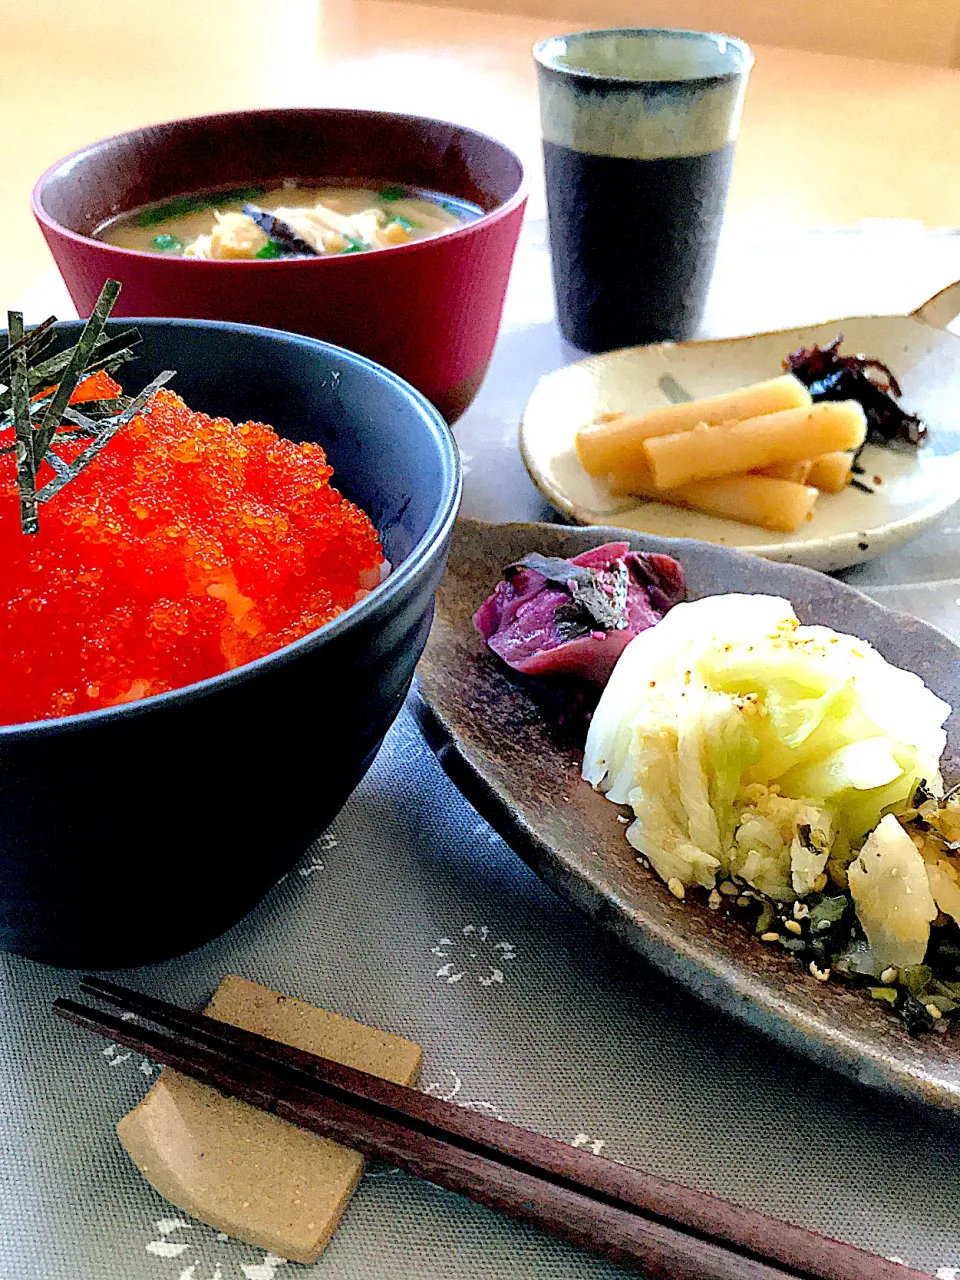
(207, 795)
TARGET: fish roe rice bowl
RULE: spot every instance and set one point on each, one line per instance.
(208, 637)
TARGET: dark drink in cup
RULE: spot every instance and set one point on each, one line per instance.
(639, 129)
(645, 278)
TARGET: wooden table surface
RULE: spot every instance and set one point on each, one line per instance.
(826, 139)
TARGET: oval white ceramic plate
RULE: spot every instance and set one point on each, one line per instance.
(847, 528)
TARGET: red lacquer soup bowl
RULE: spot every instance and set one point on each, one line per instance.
(429, 310)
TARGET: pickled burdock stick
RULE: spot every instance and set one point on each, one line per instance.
(782, 506)
(635, 479)
(791, 435)
(614, 442)
(799, 472)
(771, 503)
(831, 472)
(638, 479)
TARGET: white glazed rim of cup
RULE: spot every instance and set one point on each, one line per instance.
(731, 57)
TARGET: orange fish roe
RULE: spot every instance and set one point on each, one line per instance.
(188, 546)
(95, 386)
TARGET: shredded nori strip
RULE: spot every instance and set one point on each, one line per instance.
(831, 376)
(108, 429)
(79, 359)
(94, 409)
(38, 339)
(40, 426)
(557, 571)
(279, 231)
(26, 459)
(109, 354)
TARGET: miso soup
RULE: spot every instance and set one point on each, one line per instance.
(289, 219)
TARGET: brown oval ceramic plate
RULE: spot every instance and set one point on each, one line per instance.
(521, 770)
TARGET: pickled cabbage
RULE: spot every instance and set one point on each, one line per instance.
(891, 892)
(750, 745)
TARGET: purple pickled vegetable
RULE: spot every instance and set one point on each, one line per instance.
(575, 617)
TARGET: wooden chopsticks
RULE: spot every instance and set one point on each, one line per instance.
(672, 1232)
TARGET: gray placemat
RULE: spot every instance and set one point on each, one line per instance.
(411, 914)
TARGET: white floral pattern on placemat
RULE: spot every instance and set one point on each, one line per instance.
(473, 954)
(591, 1144)
(316, 863)
(118, 1057)
(452, 1091)
(199, 1253)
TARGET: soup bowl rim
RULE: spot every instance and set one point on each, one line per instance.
(322, 261)
(378, 598)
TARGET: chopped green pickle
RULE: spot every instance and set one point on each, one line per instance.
(167, 244)
(270, 250)
(765, 918)
(888, 994)
(943, 1003)
(392, 193)
(916, 978)
(829, 910)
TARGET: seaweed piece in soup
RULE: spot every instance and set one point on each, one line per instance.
(279, 232)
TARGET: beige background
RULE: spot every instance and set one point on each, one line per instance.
(924, 31)
(826, 139)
